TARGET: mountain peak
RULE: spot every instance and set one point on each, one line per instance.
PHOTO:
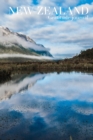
(5, 28)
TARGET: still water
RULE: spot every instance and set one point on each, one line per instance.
(47, 107)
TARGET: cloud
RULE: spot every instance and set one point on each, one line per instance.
(85, 110)
(53, 32)
(58, 101)
(64, 3)
(9, 38)
(71, 84)
(77, 35)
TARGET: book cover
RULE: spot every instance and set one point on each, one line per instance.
(46, 70)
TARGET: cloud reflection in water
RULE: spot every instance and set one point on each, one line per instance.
(54, 107)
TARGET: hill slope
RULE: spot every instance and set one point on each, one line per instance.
(15, 43)
(87, 54)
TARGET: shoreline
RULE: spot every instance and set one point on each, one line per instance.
(7, 68)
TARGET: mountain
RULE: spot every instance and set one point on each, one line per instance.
(16, 43)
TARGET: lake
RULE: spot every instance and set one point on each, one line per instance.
(53, 106)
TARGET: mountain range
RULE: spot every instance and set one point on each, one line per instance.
(17, 43)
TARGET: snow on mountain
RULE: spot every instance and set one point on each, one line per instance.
(19, 43)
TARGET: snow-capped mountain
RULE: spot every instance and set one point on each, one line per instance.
(16, 43)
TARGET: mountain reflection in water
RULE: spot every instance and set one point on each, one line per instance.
(47, 107)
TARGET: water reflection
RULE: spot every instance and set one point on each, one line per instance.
(47, 107)
(18, 84)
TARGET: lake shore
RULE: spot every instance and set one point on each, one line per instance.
(82, 62)
(74, 64)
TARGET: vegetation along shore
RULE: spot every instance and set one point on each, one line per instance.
(81, 62)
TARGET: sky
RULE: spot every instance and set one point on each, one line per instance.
(65, 32)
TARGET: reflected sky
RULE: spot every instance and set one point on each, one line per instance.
(47, 107)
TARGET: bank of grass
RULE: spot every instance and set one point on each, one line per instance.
(67, 64)
(82, 62)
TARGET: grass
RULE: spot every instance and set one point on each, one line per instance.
(77, 63)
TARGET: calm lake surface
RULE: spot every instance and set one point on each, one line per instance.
(47, 107)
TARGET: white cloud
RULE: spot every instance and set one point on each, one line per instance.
(87, 110)
(54, 32)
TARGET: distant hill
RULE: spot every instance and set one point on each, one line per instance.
(87, 54)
